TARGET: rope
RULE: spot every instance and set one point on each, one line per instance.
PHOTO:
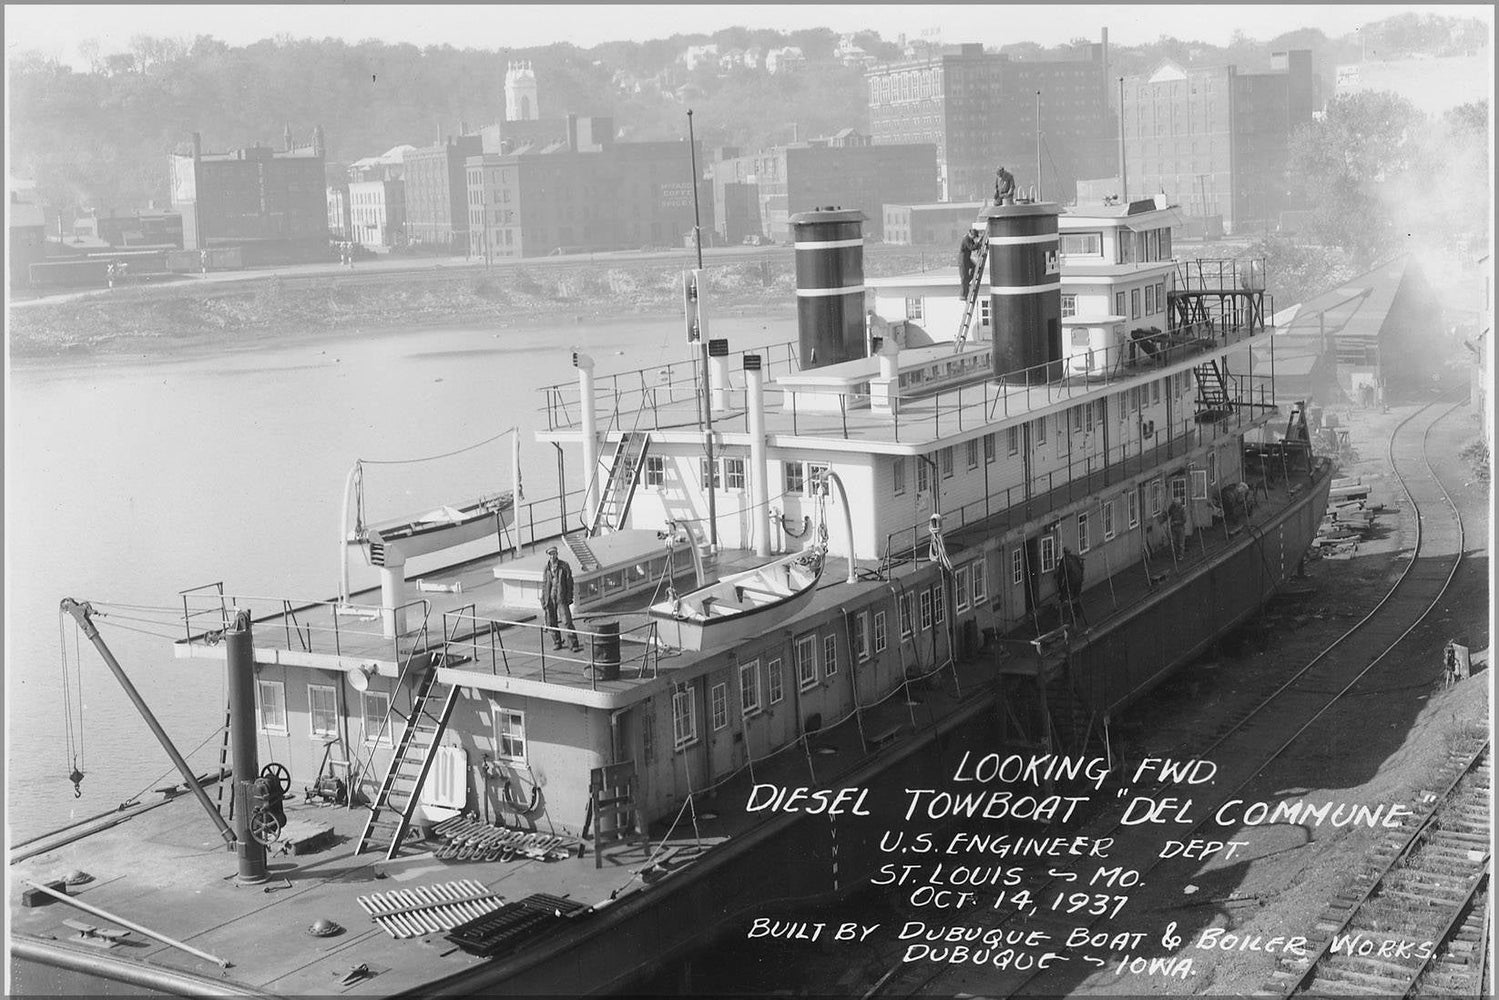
(434, 458)
(167, 773)
(73, 754)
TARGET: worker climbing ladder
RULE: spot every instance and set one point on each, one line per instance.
(971, 296)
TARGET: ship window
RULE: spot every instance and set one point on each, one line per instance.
(655, 470)
(1155, 391)
(684, 715)
(1149, 299)
(1048, 552)
(1160, 295)
(989, 448)
(795, 477)
(1178, 489)
(898, 476)
(1199, 484)
(939, 606)
(510, 734)
(881, 638)
(1040, 433)
(1017, 566)
(1132, 504)
(1069, 305)
(1081, 244)
(720, 706)
(733, 473)
(1084, 535)
(806, 661)
(1108, 520)
(773, 678)
(923, 474)
(749, 687)
(972, 453)
(1012, 441)
(905, 616)
(1118, 303)
(703, 474)
(322, 706)
(960, 588)
(817, 479)
(946, 456)
(979, 586)
(1077, 418)
(1155, 496)
(914, 308)
(926, 610)
(1134, 303)
(376, 706)
(829, 655)
(272, 706)
(861, 636)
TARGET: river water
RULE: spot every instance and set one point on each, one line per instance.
(129, 481)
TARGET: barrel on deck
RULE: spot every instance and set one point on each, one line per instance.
(605, 654)
(1025, 283)
(829, 286)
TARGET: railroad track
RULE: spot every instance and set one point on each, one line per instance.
(1298, 702)
(1412, 922)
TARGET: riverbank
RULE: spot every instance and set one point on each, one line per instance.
(162, 319)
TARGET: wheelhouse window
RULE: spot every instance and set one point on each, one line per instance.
(684, 715)
(1081, 244)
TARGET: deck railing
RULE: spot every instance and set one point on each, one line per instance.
(321, 627)
(483, 641)
(909, 415)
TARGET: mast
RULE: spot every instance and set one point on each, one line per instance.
(707, 406)
(1038, 147)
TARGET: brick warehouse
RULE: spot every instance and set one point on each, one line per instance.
(273, 203)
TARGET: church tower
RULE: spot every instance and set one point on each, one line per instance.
(520, 93)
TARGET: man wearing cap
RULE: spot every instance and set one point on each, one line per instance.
(557, 595)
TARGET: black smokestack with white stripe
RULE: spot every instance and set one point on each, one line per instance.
(829, 286)
(1025, 284)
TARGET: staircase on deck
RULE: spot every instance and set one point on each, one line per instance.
(395, 803)
(625, 468)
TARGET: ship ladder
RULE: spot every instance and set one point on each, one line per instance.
(395, 803)
(225, 771)
(624, 476)
(1212, 392)
(971, 297)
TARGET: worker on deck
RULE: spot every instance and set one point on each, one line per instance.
(1176, 516)
(967, 261)
(557, 600)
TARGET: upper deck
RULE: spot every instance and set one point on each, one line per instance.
(934, 393)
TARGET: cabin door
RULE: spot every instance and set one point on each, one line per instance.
(1032, 574)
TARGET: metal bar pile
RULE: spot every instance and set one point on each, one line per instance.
(471, 840)
(410, 913)
(513, 923)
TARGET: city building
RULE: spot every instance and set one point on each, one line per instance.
(377, 213)
(273, 203)
(843, 170)
(340, 224)
(938, 224)
(1215, 139)
(388, 166)
(786, 60)
(980, 110)
(26, 232)
(522, 94)
(437, 193)
(137, 229)
(568, 198)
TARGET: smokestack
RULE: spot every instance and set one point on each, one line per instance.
(240, 664)
(829, 286)
(1025, 301)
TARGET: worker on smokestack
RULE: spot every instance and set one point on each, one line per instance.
(1004, 187)
(967, 251)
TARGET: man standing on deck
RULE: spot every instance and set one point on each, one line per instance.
(557, 596)
(1176, 515)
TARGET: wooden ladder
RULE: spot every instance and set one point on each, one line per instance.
(391, 812)
(971, 293)
(611, 790)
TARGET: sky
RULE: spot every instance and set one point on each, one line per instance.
(56, 30)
